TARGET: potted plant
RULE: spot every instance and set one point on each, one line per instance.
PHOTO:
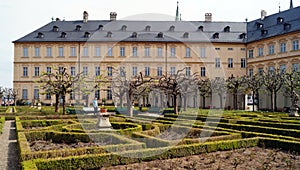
(103, 109)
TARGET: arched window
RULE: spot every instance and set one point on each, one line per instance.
(63, 35)
(200, 28)
(148, 27)
(160, 35)
(124, 27)
(100, 28)
(40, 35)
(109, 34)
(87, 35)
(216, 35)
(55, 28)
(227, 29)
(134, 35)
(186, 35)
(172, 28)
(78, 27)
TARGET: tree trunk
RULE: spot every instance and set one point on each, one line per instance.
(253, 101)
(275, 101)
(257, 95)
(56, 102)
(185, 102)
(64, 103)
(175, 105)
(203, 102)
(272, 102)
(221, 101)
(129, 105)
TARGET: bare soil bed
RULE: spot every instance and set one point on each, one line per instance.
(41, 145)
(244, 159)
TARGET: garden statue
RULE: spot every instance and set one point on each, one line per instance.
(294, 108)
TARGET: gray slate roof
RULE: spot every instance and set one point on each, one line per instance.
(273, 28)
(115, 27)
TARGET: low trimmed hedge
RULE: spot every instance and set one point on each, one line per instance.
(2, 121)
(101, 160)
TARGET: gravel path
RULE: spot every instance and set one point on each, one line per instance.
(9, 154)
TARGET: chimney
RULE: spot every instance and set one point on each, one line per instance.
(263, 14)
(85, 17)
(113, 16)
(208, 17)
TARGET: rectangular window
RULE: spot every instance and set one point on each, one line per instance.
(97, 94)
(134, 71)
(147, 51)
(122, 51)
(73, 71)
(283, 47)
(159, 52)
(85, 51)
(134, 51)
(60, 70)
(295, 67)
(217, 63)
(203, 52)
(147, 71)
(243, 62)
(251, 72)
(37, 51)
(109, 71)
(202, 71)
(72, 96)
(173, 70)
(109, 52)
(85, 71)
(25, 52)
(188, 52)
(36, 93)
(282, 69)
(188, 71)
(295, 45)
(48, 96)
(260, 71)
(97, 52)
(122, 71)
(271, 49)
(230, 62)
(217, 49)
(25, 71)
(173, 51)
(49, 52)
(230, 49)
(61, 51)
(260, 51)
(73, 51)
(271, 69)
(36, 71)
(159, 71)
(97, 71)
(250, 54)
(48, 70)
(109, 95)
(24, 94)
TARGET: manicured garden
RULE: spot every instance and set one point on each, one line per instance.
(54, 141)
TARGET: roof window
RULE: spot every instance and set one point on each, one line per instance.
(200, 28)
(78, 28)
(286, 26)
(40, 35)
(134, 35)
(186, 35)
(243, 36)
(172, 28)
(87, 35)
(160, 35)
(227, 29)
(100, 28)
(280, 20)
(216, 35)
(264, 32)
(55, 28)
(124, 27)
(63, 35)
(109, 34)
(148, 27)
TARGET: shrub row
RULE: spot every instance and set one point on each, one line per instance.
(117, 144)
(100, 160)
(2, 121)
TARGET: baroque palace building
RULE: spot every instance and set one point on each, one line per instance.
(210, 48)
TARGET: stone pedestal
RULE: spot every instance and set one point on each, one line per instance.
(103, 121)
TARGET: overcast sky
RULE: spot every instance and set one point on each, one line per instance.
(20, 17)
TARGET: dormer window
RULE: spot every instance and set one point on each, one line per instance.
(186, 35)
(216, 35)
(100, 28)
(264, 32)
(124, 27)
(78, 28)
(134, 35)
(109, 34)
(259, 25)
(200, 28)
(87, 35)
(243, 36)
(279, 20)
(172, 28)
(227, 29)
(55, 28)
(63, 35)
(160, 35)
(287, 26)
(40, 35)
(147, 28)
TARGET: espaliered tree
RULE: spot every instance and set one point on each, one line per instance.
(254, 83)
(291, 88)
(204, 87)
(58, 83)
(219, 87)
(273, 81)
(188, 85)
(235, 87)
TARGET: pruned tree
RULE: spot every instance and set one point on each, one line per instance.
(1, 95)
(204, 87)
(273, 81)
(219, 87)
(291, 88)
(188, 85)
(58, 83)
(254, 83)
(235, 87)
